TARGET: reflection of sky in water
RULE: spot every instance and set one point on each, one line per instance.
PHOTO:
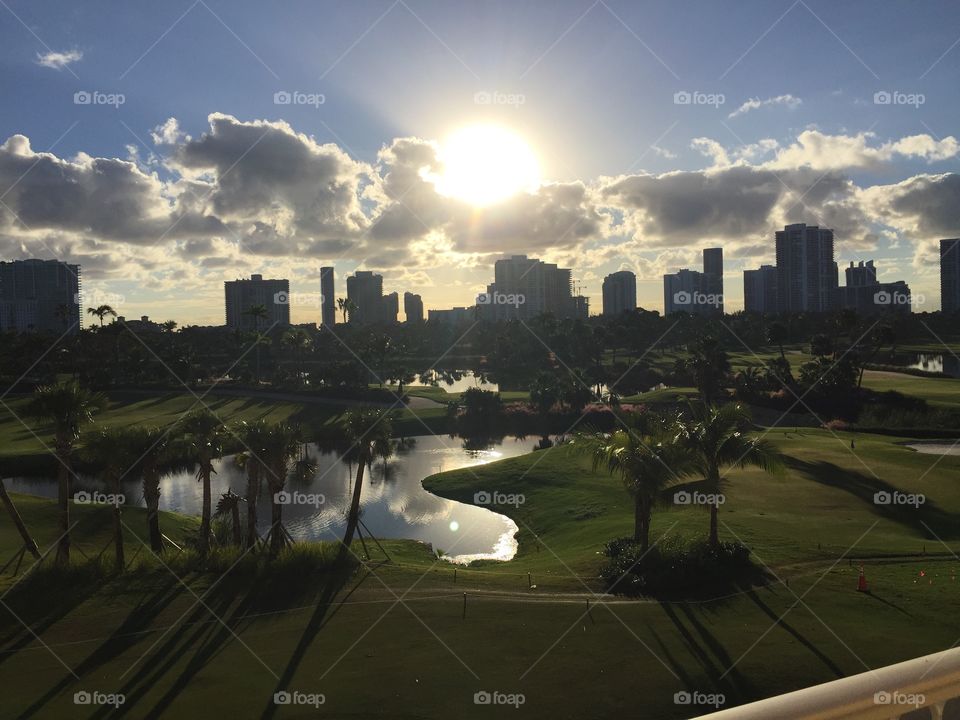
(394, 503)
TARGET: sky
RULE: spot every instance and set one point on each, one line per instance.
(167, 147)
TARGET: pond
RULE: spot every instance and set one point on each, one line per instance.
(394, 503)
(946, 364)
(454, 381)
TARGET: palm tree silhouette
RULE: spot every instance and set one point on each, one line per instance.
(205, 434)
(101, 311)
(366, 429)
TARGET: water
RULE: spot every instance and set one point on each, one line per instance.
(946, 364)
(936, 447)
(393, 501)
(465, 381)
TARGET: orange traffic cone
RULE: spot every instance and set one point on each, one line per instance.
(862, 581)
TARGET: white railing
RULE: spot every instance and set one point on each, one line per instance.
(887, 693)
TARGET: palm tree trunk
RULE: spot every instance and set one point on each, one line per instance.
(638, 520)
(253, 490)
(63, 500)
(714, 534)
(205, 513)
(353, 519)
(237, 534)
(118, 528)
(151, 494)
(28, 541)
(276, 521)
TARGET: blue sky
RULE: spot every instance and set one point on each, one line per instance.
(645, 180)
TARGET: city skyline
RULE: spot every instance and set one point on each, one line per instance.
(107, 163)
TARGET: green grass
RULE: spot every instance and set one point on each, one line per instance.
(936, 391)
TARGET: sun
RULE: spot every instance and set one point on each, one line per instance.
(485, 164)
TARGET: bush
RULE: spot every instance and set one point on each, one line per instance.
(676, 568)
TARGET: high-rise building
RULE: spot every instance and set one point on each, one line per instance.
(950, 275)
(619, 293)
(760, 289)
(683, 292)
(454, 316)
(328, 300)
(389, 307)
(713, 274)
(862, 274)
(242, 295)
(526, 287)
(365, 289)
(40, 295)
(413, 307)
(806, 271)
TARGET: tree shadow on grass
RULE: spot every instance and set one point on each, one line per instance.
(128, 634)
(923, 519)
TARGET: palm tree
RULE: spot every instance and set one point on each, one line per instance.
(298, 340)
(715, 439)
(229, 503)
(347, 307)
(280, 445)
(205, 434)
(101, 311)
(366, 429)
(115, 450)
(253, 437)
(68, 407)
(258, 313)
(776, 335)
(884, 335)
(62, 313)
(154, 445)
(645, 463)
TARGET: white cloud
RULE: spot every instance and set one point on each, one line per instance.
(168, 133)
(836, 152)
(789, 101)
(59, 60)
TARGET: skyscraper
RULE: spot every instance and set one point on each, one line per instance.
(713, 275)
(242, 295)
(806, 271)
(526, 287)
(862, 274)
(389, 307)
(866, 295)
(413, 307)
(950, 275)
(328, 301)
(760, 289)
(619, 293)
(365, 289)
(40, 295)
(682, 292)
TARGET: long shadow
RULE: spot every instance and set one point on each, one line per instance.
(125, 636)
(678, 669)
(822, 656)
(921, 519)
(743, 686)
(707, 662)
(321, 615)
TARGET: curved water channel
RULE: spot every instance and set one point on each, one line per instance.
(394, 503)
